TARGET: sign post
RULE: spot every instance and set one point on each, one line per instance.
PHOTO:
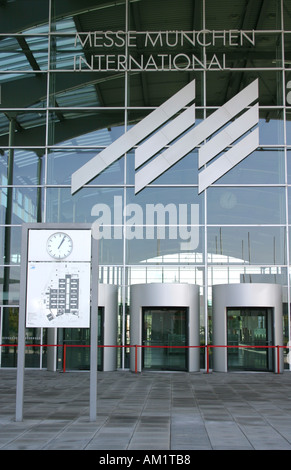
(94, 331)
(21, 329)
(59, 289)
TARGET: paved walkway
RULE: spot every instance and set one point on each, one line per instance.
(148, 411)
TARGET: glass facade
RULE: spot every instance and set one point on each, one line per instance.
(74, 79)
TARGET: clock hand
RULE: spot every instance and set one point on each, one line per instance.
(61, 243)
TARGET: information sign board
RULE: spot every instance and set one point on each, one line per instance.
(58, 279)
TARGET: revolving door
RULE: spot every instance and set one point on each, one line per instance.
(164, 326)
(247, 326)
(250, 339)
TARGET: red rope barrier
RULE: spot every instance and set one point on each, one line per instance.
(136, 346)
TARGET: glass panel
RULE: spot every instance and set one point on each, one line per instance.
(9, 337)
(164, 327)
(229, 15)
(20, 204)
(164, 244)
(4, 129)
(289, 166)
(287, 45)
(27, 167)
(27, 129)
(246, 205)
(10, 245)
(183, 172)
(13, 97)
(271, 92)
(107, 16)
(179, 201)
(289, 201)
(286, 15)
(95, 48)
(267, 51)
(271, 127)
(288, 126)
(63, 163)
(78, 350)
(102, 89)
(64, 51)
(18, 17)
(150, 19)
(100, 338)
(85, 205)
(152, 230)
(252, 245)
(9, 284)
(77, 341)
(239, 274)
(246, 328)
(286, 342)
(79, 128)
(189, 162)
(263, 166)
(239, 49)
(20, 53)
(33, 336)
(156, 87)
(33, 353)
(147, 274)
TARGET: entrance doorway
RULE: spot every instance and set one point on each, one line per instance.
(35, 353)
(100, 355)
(250, 327)
(78, 342)
(164, 327)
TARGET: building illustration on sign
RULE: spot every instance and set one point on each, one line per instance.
(62, 296)
(58, 278)
(57, 294)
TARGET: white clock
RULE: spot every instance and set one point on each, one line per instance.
(59, 245)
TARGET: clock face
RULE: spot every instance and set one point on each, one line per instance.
(59, 245)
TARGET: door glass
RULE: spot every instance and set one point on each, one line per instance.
(164, 327)
(251, 329)
(77, 341)
(78, 346)
(9, 337)
(100, 338)
(35, 355)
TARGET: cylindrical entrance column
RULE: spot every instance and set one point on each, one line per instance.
(156, 295)
(245, 296)
(108, 302)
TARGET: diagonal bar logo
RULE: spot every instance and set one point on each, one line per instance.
(203, 131)
(239, 127)
(137, 134)
(222, 121)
